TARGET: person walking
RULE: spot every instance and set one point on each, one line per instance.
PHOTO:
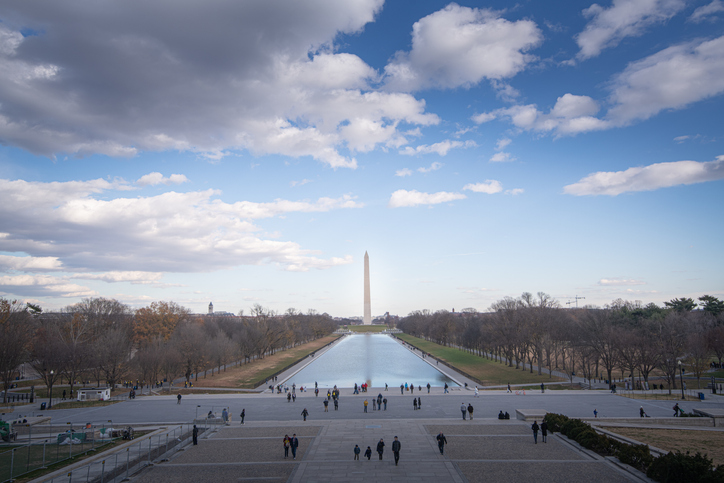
(641, 412)
(365, 403)
(294, 397)
(195, 435)
(178, 399)
(357, 451)
(419, 403)
(445, 391)
(380, 448)
(326, 406)
(441, 442)
(414, 404)
(476, 391)
(385, 386)
(402, 389)
(384, 401)
(305, 413)
(336, 404)
(396, 446)
(242, 415)
(374, 404)
(294, 444)
(289, 397)
(225, 415)
(535, 429)
(509, 389)
(595, 413)
(368, 453)
(412, 389)
(287, 443)
(542, 387)
(544, 431)
(464, 410)
(470, 411)
(428, 388)
(676, 410)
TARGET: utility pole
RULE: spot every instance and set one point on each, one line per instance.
(577, 298)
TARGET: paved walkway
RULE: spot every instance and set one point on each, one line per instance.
(479, 450)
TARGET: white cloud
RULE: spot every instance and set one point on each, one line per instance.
(502, 143)
(155, 178)
(403, 172)
(515, 191)
(299, 183)
(501, 157)
(484, 117)
(489, 186)
(460, 46)
(670, 79)
(30, 264)
(404, 198)
(614, 282)
(42, 286)
(625, 18)
(170, 232)
(135, 277)
(433, 167)
(287, 91)
(441, 148)
(648, 178)
(707, 12)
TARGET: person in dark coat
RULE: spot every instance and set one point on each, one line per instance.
(419, 403)
(368, 453)
(294, 444)
(178, 399)
(357, 451)
(396, 446)
(305, 413)
(414, 403)
(380, 447)
(195, 434)
(470, 411)
(242, 415)
(441, 442)
(535, 429)
(544, 430)
(287, 441)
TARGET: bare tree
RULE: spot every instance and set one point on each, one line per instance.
(15, 334)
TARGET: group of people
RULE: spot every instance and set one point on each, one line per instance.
(543, 428)
(396, 447)
(377, 403)
(466, 410)
(502, 415)
(291, 443)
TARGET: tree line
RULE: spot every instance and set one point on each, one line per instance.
(623, 338)
(105, 341)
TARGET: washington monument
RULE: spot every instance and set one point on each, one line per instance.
(367, 320)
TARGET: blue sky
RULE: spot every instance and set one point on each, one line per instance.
(251, 153)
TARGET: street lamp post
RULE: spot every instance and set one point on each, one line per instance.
(50, 390)
(681, 378)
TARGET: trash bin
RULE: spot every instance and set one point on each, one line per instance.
(701, 396)
(42, 406)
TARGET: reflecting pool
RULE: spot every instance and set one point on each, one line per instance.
(372, 358)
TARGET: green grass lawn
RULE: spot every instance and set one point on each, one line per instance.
(366, 328)
(490, 372)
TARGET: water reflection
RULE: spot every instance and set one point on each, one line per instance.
(372, 358)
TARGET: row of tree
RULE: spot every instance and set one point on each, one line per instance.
(105, 341)
(622, 337)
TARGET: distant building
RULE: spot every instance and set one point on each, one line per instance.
(211, 308)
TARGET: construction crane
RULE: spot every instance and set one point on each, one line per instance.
(577, 298)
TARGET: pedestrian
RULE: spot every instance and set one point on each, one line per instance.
(384, 401)
(305, 413)
(336, 404)
(470, 411)
(641, 412)
(385, 386)
(178, 399)
(63, 394)
(412, 389)
(294, 444)
(542, 387)
(428, 388)
(476, 391)
(374, 404)
(316, 392)
(380, 448)
(464, 410)
(294, 397)
(414, 404)
(441, 442)
(365, 403)
(368, 453)
(509, 389)
(225, 415)
(419, 403)
(242, 415)
(326, 406)
(396, 446)
(289, 397)
(535, 429)
(195, 435)
(287, 443)
(544, 430)
(357, 451)
(445, 391)
(676, 410)
(402, 389)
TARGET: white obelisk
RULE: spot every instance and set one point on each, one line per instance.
(367, 320)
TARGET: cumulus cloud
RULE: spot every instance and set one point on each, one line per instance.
(30, 264)
(273, 83)
(648, 178)
(624, 18)
(403, 172)
(433, 167)
(155, 178)
(441, 148)
(134, 277)
(614, 282)
(707, 12)
(404, 198)
(670, 79)
(42, 286)
(515, 191)
(501, 157)
(489, 186)
(502, 143)
(460, 46)
(74, 223)
(299, 183)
